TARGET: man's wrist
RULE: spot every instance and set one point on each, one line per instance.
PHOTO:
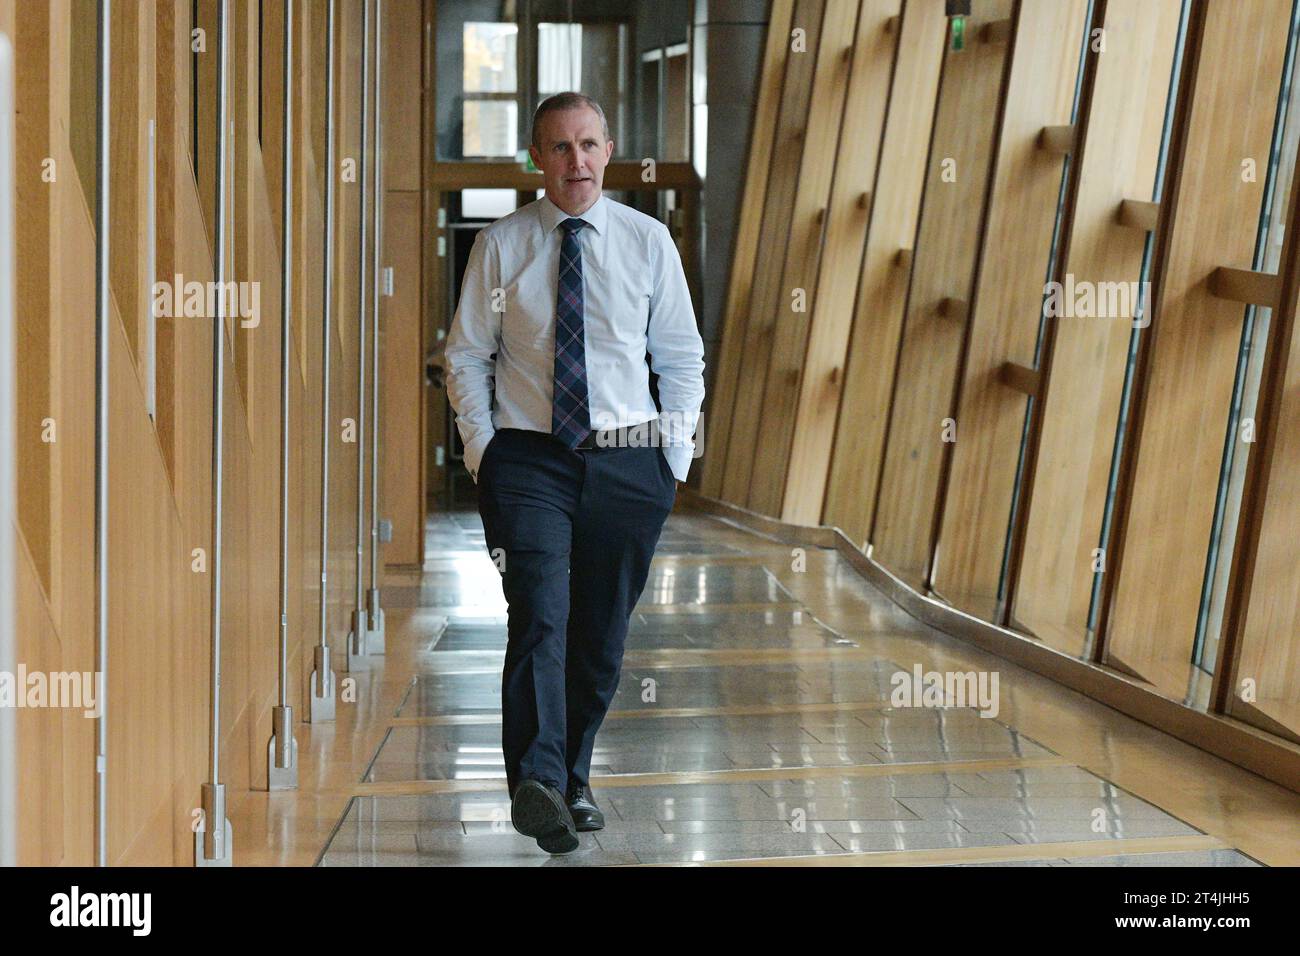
(474, 453)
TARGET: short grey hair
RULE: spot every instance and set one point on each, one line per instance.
(566, 101)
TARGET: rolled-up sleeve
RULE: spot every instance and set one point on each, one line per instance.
(471, 351)
(676, 355)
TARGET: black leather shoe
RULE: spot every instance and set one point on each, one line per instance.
(586, 815)
(538, 811)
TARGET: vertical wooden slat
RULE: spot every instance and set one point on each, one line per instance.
(948, 235)
(853, 468)
(719, 403)
(33, 268)
(1007, 305)
(1259, 680)
(1086, 356)
(806, 364)
(807, 375)
(788, 146)
(402, 390)
(1176, 446)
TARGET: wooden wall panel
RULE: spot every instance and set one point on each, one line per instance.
(859, 429)
(403, 37)
(807, 366)
(78, 26)
(943, 268)
(172, 99)
(132, 66)
(272, 82)
(57, 813)
(33, 226)
(1192, 348)
(851, 473)
(742, 424)
(1272, 620)
(403, 400)
(825, 217)
(246, 201)
(55, 621)
(72, 297)
(401, 496)
(203, 146)
(145, 569)
(192, 399)
(347, 205)
(432, 274)
(160, 485)
(1007, 305)
(1120, 144)
(719, 402)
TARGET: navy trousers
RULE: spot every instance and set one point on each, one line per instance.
(572, 534)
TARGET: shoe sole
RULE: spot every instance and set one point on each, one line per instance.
(537, 812)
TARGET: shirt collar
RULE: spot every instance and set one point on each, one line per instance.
(552, 215)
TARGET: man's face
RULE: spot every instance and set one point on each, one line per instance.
(572, 157)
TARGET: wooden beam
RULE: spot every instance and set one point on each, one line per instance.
(1188, 363)
(1068, 456)
(620, 174)
(947, 239)
(1245, 285)
(978, 481)
(759, 423)
(720, 397)
(1058, 140)
(996, 31)
(846, 109)
(796, 466)
(734, 434)
(950, 308)
(854, 466)
(1137, 214)
(1021, 378)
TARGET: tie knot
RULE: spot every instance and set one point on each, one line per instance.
(571, 226)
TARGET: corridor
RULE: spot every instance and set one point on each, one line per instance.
(964, 330)
(753, 722)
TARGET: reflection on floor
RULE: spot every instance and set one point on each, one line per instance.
(745, 728)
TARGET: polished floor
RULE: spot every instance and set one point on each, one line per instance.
(753, 724)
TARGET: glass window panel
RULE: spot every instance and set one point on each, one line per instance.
(559, 57)
(486, 203)
(489, 57)
(523, 58)
(590, 57)
(490, 128)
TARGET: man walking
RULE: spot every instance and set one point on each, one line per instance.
(562, 302)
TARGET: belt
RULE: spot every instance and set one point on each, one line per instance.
(646, 433)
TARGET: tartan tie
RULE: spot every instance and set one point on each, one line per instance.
(570, 416)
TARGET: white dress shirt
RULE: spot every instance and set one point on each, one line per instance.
(635, 301)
